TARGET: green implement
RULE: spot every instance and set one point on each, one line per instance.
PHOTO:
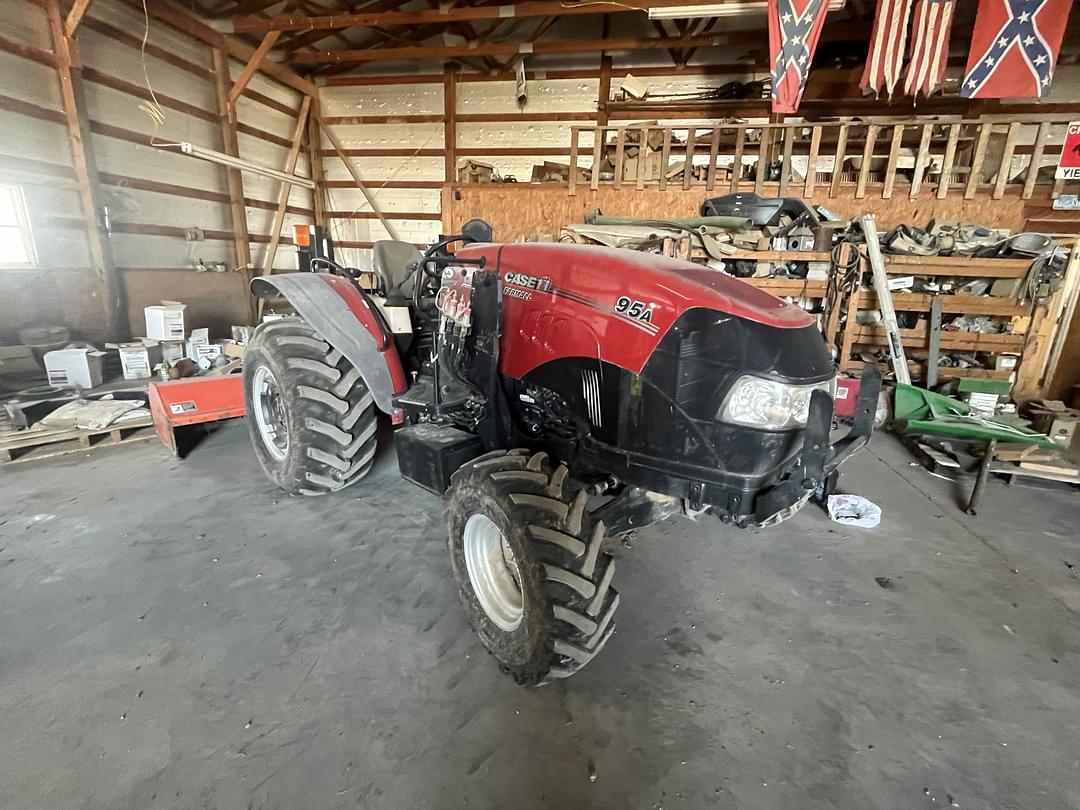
(924, 413)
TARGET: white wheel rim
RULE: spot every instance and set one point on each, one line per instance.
(269, 413)
(493, 572)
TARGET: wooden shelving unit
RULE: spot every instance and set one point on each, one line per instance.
(918, 338)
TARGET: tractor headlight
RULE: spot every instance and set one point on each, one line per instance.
(769, 404)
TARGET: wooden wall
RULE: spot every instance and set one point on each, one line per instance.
(519, 211)
(153, 195)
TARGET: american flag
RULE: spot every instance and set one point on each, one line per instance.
(929, 46)
(1014, 48)
(886, 55)
(794, 28)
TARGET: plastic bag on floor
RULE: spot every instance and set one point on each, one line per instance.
(854, 510)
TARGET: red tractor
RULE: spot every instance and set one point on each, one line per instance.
(555, 394)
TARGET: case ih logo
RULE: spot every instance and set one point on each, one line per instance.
(526, 282)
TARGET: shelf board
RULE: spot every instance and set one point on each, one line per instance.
(950, 341)
(953, 304)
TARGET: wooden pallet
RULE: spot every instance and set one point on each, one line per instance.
(35, 445)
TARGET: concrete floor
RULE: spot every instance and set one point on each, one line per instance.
(175, 634)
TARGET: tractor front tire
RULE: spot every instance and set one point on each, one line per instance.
(527, 560)
(311, 417)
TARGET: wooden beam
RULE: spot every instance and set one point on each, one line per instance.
(839, 156)
(922, 158)
(1036, 158)
(983, 141)
(945, 178)
(811, 163)
(74, 17)
(351, 168)
(894, 157)
(315, 164)
(448, 14)
(1005, 164)
(424, 52)
(234, 181)
(449, 125)
(253, 65)
(286, 188)
(187, 24)
(85, 165)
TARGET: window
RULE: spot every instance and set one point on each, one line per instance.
(16, 241)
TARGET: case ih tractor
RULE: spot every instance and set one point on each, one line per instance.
(555, 394)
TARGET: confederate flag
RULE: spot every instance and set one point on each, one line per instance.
(1014, 47)
(794, 28)
(929, 46)
(886, 55)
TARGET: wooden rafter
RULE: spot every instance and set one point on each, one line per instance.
(423, 52)
(74, 17)
(460, 13)
(355, 174)
(187, 24)
(252, 65)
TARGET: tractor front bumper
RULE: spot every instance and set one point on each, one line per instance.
(815, 467)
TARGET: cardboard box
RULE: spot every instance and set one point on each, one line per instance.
(18, 361)
(70, 368)
(165, 321)
(173, 351)
(199, 337)
(1060, 426)
(138, 358)
(233, 349)
(983, 403)
(242, 334)
(1006, 362)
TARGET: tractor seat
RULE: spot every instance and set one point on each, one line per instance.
(390, 262)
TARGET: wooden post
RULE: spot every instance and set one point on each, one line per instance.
(85, 165)
(736, 160)
(620, 154)
(894, 157)
(571, 181)
(1006, 160)
(597, 155)
(449, 126)
(921, 159)
(603, 95)
(665, 158)
(785, 168)
(286, 187)
(1036, 158)
(945, 180)
(688, 164)
(234, 181)
(763, 159)
(838, 160)
(811, 162)
(714, 148)
(985, 130)
(314, 151)
(867, 156)
(643, 145)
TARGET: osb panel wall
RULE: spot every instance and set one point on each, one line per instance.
(518, 211)
(214, 300)
(39, 296)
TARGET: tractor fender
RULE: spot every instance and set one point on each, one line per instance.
(345, 318)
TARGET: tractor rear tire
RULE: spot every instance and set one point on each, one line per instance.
(528, 564)
(311, 417)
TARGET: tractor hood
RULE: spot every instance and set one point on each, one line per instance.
(614, 305)
(599, 271)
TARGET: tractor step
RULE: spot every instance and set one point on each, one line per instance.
(429, 454)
